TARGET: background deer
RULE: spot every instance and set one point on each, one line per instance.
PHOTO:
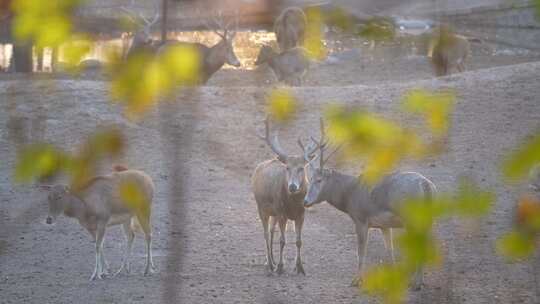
(214, 57)
(279, 186)
(290, 66)
(448, 51)
(142, 38)
(290, 27)
(368, 207)
(98, 205)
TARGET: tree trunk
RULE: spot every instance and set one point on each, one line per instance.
(39, 57)
(22, 57)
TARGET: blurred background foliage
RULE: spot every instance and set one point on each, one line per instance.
(50, 24)
(41, 161)
(380, 143)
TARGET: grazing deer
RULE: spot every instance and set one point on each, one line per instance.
(290, 27)
(142, 38)
(214, 57)
(279, 186)
(368, 207)
(448, 50)
(98, 205)
(290, 66)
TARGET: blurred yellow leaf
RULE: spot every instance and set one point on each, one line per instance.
(105, 142)
(314, 36)
(518, 164)
(135, 199)
(390, 282)
(37, 161)
(139, 82)
(471, 201)
(282, 105)
(435, 107)
(515, 245)
(75, 49)
(47, 23)
(382, 143)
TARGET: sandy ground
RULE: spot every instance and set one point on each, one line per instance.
(217, 231)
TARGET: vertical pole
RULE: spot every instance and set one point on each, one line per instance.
(163, 21)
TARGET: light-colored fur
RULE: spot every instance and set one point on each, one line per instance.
(275, 203)
(290, 27)
(98, 205)
(369, 207)
(289, 66)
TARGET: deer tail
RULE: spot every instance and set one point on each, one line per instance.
(429, 190)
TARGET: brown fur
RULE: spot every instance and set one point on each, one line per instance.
(448, 51)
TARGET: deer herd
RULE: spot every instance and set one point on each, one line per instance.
(283, 187)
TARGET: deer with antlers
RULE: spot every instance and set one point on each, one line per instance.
(368, 207)
(279, 186)
(142, 39)
(214, 57)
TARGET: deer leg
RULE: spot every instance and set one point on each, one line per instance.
(362, 230)
(272, 230)
(145, 224)
(282, 229)
(418, 278)
(264, 221)
(298, 223)
(100, 233)
(389, 242)
(130, 236)
(104, 264)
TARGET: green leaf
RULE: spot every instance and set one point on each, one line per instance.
(390, 282)
(435, 107)
(518, 164)
(515, 245)
(472, 201)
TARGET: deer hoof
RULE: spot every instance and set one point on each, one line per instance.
(280, 269)
(300, 269)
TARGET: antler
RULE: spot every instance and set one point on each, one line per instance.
(308, 153)
(139, 15)
(273, 141)
(322, 144)
(218, 21)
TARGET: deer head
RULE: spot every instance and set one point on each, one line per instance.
(224, 49)
(265, 54)
(143, 37)
(295, 166)
(58, 200)
(318, 181)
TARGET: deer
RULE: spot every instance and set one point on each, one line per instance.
(279, 186)
(142, 39)
(290, 27)
(448, 51)
(368, 207)
(290, 66)
(97, 205)
(214, 57)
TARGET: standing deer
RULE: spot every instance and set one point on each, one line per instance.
(142, 38)
(290, 27)
(279, 186)
(214, 57)
(448, 50)
(290, 66)
(368, 207)
(98, 205)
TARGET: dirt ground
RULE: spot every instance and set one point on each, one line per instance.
(207, 140)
